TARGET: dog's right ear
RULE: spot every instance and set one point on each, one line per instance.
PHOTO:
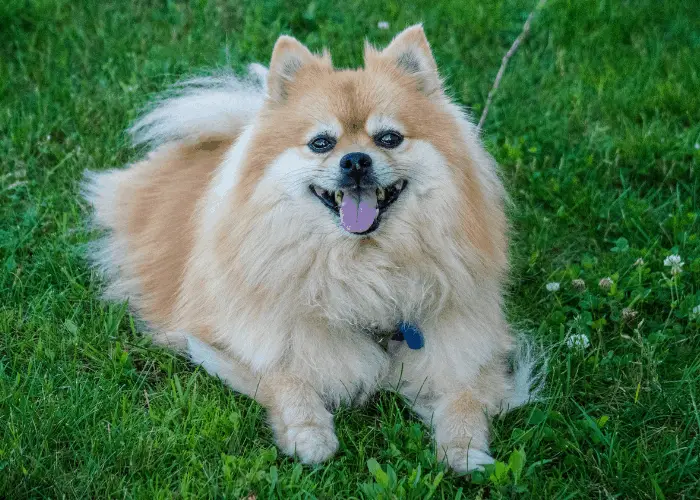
(289, 57)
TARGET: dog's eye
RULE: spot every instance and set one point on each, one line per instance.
(388, 140)
(321, 144)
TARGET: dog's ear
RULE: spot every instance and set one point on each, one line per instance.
(410, 52)
(289, 57)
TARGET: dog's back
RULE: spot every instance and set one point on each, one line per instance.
(148, 208)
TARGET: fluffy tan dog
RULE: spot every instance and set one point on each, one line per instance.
(282, 227)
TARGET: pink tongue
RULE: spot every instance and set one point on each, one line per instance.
(357, 216)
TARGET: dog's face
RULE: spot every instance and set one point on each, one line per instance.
(359, 152)
(356, 153)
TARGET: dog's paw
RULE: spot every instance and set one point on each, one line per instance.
(311, 443)
(465, 459)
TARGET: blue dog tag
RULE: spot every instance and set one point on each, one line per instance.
(412, 335)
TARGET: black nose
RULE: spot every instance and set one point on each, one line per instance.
(356, 165)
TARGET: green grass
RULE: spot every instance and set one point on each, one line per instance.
(596, 126)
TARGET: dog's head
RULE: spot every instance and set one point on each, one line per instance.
(371, 153)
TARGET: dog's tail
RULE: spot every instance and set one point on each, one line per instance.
(528, 376)
(234, 373)
(203, 109)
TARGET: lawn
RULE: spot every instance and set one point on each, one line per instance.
(597, 127)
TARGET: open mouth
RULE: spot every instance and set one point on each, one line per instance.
(360, 209)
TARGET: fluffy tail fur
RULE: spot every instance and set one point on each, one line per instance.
(203, 109)
(529, 373)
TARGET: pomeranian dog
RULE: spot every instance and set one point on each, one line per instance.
(312, 235)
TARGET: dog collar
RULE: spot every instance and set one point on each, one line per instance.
(411, 334)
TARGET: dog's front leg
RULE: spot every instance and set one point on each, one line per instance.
(461, 430)
(301, 423)
(456, 379)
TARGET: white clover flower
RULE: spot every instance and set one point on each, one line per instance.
(628, 314)
(639, 262)
(605, 283)
(578, 284)
(673, 260)
(552, 287)
(696, 312)
(697, 145)
(675, 263)
(580, 340)
(383, 25)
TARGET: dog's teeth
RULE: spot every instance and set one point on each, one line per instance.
(338, 197)
(399, 185)
(381, 194)
(319, 191)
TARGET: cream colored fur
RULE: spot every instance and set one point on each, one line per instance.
(275, 298)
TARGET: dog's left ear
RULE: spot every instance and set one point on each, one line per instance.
(410, 52)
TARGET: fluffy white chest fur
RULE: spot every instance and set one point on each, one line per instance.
(279, 220)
